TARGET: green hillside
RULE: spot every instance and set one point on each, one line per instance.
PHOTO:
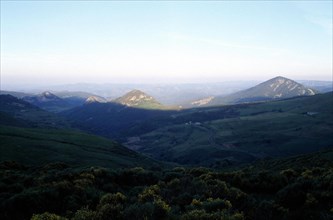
(37, 147)
(253, 131)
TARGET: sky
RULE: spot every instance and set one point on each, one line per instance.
(58, 42)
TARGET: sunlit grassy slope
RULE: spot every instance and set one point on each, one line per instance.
(37, 147)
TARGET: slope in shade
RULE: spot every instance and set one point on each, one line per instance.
(38, 147)
(270, 129)
(28, 114)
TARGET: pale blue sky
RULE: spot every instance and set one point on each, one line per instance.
(85, 41)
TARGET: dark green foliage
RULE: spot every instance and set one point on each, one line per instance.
(279, 189)
(47, 216)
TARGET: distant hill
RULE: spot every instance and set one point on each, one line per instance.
(78, 98)
(321, 86)
(276, 88)
(92, 99)
(48, 101)
(15, 94)
(40, 147)
(139, 99)
(15, 111)
(56, 101)
(61, 101)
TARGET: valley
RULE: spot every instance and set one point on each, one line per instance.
(255, 131)
(133, 157)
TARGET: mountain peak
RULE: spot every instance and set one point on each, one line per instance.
(136, 92)
(280, 77)
(48, 95)
(93, 99)
(139, 99)
(278, 87)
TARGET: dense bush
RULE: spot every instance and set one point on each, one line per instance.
(57, 192)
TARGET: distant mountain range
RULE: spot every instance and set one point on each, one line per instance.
(173, 94)
(177, 95)
(276, 88)
(56, 101)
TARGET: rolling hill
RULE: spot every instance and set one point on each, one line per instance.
(211, 137)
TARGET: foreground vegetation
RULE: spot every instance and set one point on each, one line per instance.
(294, 188)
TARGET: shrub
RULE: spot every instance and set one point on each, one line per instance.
(47, 216)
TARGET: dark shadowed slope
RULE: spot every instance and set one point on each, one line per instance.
(109, 119)
(28, 114)
(270, 129)
(38, 147)
(51, 143)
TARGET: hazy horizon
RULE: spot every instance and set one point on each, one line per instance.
(55, 42)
